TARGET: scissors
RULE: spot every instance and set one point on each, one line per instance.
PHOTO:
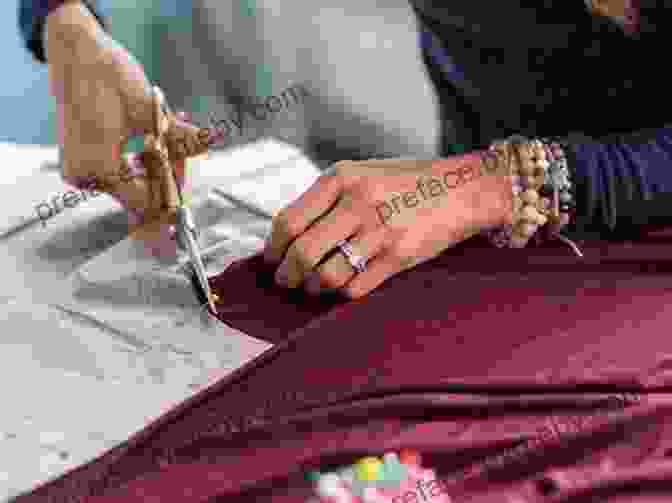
(186, 232)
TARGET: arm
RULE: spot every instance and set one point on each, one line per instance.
(102, 95)
(623, 182)
(32, 19)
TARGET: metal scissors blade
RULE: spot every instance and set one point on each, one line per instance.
(185, 226)
(186, 230)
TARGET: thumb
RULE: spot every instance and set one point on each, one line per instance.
(136, 93)
(140, 109)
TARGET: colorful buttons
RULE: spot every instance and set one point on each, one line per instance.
(329, 485)
(410, 457)
(347, 475)
(358, 487)
(369, 468)
(372, 495)
(371, 479)
(394, 470)
(312, 476)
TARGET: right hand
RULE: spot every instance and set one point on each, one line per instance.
(103, 97)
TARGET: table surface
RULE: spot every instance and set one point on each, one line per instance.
(98, 337)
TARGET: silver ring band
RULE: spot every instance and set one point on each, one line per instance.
(358, 262)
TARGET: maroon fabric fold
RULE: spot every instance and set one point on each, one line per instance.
(472, 278)
(476, 356)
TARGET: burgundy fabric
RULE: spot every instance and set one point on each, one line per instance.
(473, 278)
(465, 357)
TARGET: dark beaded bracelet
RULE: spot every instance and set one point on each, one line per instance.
(559, 179)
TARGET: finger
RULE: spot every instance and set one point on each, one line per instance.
(136, 89)
(308, 250)
(162, 123)
(153, 218)
(382, 267)
(185, 140)
(167, 179)
(178, 144)
(149, 230)
(118, 147)
(295, 219)
(90, 146)
(393, 166)
(168, 186)
(152, 163)
(337, 270)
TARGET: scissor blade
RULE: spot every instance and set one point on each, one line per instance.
(193, 249)
(190, 271)
(199, 269)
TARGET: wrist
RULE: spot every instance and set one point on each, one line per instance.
(499, 187)
(492, 204)
(70, 29)
(541, 190)
(500, 212)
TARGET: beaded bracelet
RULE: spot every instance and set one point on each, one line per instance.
(541, 190)
(557, 177)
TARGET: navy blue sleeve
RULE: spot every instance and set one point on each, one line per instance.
(32, 16)
(625, 182)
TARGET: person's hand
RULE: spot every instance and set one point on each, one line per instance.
(103, 98)
(396, 213)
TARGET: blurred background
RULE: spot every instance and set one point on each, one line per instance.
(27, 109)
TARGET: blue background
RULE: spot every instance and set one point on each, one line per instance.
(27, 109)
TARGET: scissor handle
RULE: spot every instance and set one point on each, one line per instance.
(168, 182)
(186, 228)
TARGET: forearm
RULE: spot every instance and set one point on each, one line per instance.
(76, 15)
(623, 183)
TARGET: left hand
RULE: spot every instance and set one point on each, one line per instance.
(397, 213)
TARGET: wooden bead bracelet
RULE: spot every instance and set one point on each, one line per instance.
(539, 175)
